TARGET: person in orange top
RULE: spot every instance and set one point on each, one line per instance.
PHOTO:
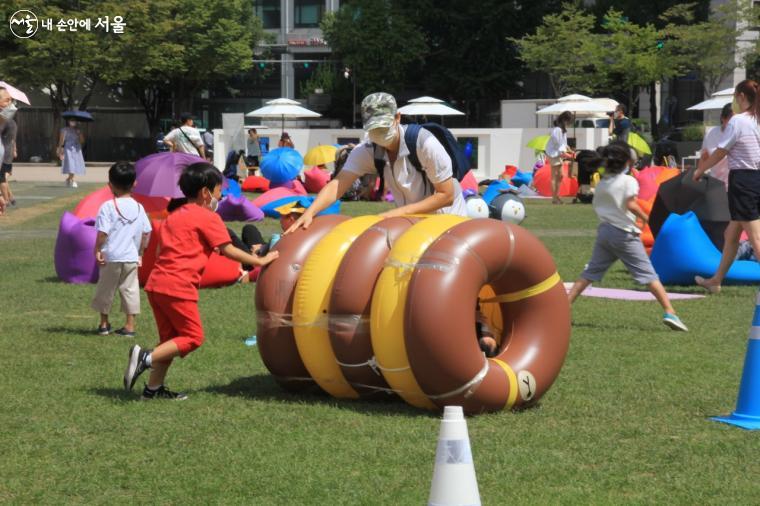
(191, 232)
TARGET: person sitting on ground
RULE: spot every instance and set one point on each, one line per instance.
(123, 232)
(189, 235)
(618, 236)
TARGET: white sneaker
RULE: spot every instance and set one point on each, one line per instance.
(74, 184)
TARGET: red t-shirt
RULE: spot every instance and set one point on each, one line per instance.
(185, 241)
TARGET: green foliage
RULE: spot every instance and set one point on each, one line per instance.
(566, 49)
(693, 132)
(324, 78)
(377, 42)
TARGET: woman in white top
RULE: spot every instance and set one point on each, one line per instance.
(556, 150)
(740, 143)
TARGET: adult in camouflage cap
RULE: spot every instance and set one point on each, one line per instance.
(433, 189)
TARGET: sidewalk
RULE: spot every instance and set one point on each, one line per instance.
(97, 172)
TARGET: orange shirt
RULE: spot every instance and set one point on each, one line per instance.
(185, 241)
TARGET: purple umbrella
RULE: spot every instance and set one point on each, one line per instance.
(158, 174)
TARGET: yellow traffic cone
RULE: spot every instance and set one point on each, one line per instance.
(454, 481)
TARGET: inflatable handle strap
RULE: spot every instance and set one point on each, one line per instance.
(526, 293)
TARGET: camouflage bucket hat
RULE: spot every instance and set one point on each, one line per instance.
(378, 110)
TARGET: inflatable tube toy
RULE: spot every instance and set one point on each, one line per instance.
(233, 208)
(522, 178)
(568, 187)
(281, 165)
(311, 304)
(469, 182)
(476, 207)
(683, 250)
(315, 179)
(231, 187)
(496, 188)
(443, 353)
(508, 207)
(273, 194)
(255, 184)
(349, 307)
(271, 208)
(389, 299)
(74, 256)
(275, 289)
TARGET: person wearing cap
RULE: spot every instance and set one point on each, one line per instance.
(186, 138)
(433, 190)
(285, 141)
(292, 211)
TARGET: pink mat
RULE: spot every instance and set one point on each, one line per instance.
(620, 294)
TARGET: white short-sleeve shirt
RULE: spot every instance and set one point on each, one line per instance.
(610, 201)
(124, 228)
(404, 181)
(710, 144)
(181, 141)
(741, 139)
(557, 143)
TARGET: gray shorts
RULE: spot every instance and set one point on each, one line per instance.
(613, 244)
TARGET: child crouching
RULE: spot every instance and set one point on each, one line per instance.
(191, 232)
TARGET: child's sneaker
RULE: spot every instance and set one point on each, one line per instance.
(674, 322)
(104, 330)
(136, 366)
(124, 332)
(162, 393)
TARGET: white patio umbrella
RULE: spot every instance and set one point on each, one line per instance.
(578, 104)
(428, 106)
(716, 101)
(283, 108)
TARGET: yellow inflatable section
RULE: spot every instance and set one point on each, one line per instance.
(310, 305)
(389, 301)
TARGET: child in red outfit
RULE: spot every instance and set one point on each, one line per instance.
(186, 240)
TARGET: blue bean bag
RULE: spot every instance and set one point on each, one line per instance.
(683, 250)
(231, 187)
(495, 189)
(522, 178)
(269, 209)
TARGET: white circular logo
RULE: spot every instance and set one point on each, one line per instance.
(24, 24)
(527, 383)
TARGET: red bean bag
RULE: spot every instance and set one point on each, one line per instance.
(568, 187)
(220, 270)
(469, 182)
(255, 184)
(89, 206)
(272, 195)
(316, 179)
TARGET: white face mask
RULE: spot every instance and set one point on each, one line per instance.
(383, 136)
(214, 204)
(9, 111)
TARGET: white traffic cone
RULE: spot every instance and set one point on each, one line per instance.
(454, 482)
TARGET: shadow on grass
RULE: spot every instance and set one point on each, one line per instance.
(88, 331)
(50, 279)
(116, 394)
(263, 387)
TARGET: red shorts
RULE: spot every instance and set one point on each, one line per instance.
(177, 320)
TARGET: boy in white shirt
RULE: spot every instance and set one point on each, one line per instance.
(123, 232)
(618, 236)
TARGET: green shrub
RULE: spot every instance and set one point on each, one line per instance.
(694, 132)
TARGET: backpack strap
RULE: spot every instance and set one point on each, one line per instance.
(410, 138)
(377, 155)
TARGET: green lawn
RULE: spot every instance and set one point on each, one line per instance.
(626, 421)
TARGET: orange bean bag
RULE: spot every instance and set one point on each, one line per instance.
(568, 187)
(255, 184)
(220, 270)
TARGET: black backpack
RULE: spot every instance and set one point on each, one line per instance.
(459, 163)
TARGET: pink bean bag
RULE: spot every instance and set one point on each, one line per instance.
(238, 209)
(316, 179)
(75, 250)
(568, 187)
(255, 184)
(295, 186)
(272, 195)
(469, 182)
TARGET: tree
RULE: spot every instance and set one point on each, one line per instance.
(566, 49)
(377, 42)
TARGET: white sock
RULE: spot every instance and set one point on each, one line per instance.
(149, 360)
(152, 389)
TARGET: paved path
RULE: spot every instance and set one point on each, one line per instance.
(47, 172)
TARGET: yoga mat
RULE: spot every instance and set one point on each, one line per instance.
(621, 294)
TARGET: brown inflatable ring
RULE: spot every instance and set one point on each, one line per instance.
(350, 304)
(274, 303)
(477, 258)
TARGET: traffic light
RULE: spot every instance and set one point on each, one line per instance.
(306, 65)
(660, 44)
(262, 65)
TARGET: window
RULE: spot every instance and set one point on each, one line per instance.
(308, 13)
(269, 13)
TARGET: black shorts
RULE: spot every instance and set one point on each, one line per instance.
(5, 168)
(744, 194)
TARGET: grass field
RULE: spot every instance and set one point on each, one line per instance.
(625, 423)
